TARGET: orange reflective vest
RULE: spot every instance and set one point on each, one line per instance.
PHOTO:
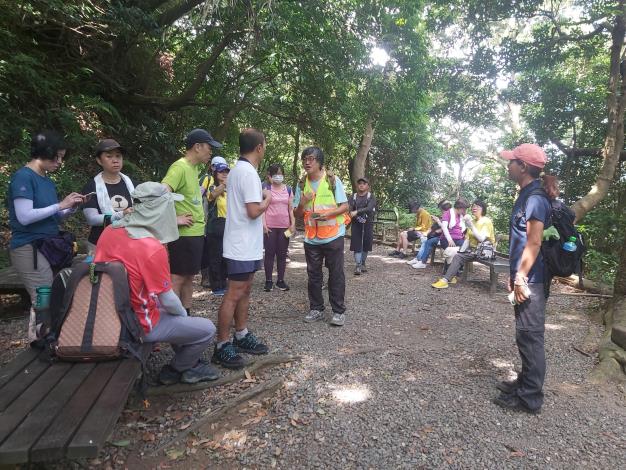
(323, 201)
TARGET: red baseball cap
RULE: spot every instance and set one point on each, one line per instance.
(528, 153)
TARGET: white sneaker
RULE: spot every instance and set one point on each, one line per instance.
(412, 261)
(419, 265)
(314, 315)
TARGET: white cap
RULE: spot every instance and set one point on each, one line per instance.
(218, 159)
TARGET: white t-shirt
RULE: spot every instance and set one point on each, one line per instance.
(243, 236)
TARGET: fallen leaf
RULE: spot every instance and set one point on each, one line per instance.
(122, 443)
(184, 426)
(424, 327)
(148, 437)
(247, 374)
(517, 453)
(177, 415)
(294, 423)
(174, 454)
(277, 451)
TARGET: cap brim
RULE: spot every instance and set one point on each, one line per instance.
(177, 197)
(215, 143)
(507, 155)
(113, 147)
(362, 180)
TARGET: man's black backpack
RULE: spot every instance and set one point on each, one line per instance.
(558, 261)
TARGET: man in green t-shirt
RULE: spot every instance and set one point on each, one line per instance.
(182, 178)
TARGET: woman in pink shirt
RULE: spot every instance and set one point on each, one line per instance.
(279, 223)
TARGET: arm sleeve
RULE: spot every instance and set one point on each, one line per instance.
(480, 235)
(369, 208)
(171, 303)
(26, 215)
(537, 208)
(93, 217)
(340, 192)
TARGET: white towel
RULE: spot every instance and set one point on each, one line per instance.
(104, 201)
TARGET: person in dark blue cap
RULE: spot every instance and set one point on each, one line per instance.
(185, 254)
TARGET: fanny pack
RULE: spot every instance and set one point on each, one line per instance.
(59, 250)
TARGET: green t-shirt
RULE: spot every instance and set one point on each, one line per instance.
(182, 177)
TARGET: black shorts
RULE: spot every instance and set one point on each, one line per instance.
(186, 255)
(413, 235)
(242, 270)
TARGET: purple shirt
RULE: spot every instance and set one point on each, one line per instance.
(456, 231)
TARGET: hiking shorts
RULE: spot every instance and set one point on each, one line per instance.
(186, 255)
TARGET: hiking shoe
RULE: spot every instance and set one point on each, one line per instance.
(363, 268)
(314, 315)
(201, 372)
(402, 256)
(357, 270)
(440, 284)
(394, 253)
(168, 375)
(269, 285)
(249, 344)
(453, 280)
(413, 261)
(219, 292)
(227, 356)
(282, 285)
(419, 265)
(508, 386)
(513, 403)
(338, 319)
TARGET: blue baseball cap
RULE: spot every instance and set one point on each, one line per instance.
(200, 136)
(219, 167)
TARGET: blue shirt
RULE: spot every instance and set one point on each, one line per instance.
(27, 184)
(340, 198)
(537, 208)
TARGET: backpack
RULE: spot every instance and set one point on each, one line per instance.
(557, 261)
(95, 320)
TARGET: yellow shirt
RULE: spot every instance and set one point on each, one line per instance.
(423, 221)
(221, 204)
(484, 226)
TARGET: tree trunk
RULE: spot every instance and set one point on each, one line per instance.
(295, 173)
(614, 141)
(360, 161)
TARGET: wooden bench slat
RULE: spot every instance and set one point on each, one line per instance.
(21, 381)
(19, 409)
(99, 423)
(53, 443)
(17, 365)
(15, 448)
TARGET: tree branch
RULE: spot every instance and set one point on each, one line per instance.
(170, 16)
(585, 152)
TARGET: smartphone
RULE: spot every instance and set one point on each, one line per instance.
(88, 195)
(316, 215)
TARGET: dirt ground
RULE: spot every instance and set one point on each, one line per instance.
(406, 383)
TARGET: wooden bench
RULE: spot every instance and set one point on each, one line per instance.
(10, 283)
(386, 222)
(500, 264)
(51, 411)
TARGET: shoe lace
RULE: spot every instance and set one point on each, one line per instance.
(250, 340)
(228, 351)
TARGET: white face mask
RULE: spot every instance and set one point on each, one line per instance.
(278, 179)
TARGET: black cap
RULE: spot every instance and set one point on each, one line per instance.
(364, 179)
(107, 145)
(200, 136)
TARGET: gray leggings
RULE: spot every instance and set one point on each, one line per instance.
(189, 337)
(23, 261)
(456, 263)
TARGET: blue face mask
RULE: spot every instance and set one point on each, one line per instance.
(278, 179)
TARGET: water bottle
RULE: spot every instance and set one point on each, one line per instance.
(570, 244)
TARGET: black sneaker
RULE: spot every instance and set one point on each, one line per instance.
(513, 403)
(363, 268)
(269, 285)
(249, 344)
(282, 285)
(508, 387)
(169, 375)
(394, 253)
(201, 372)
(227, 356)
(401, 255)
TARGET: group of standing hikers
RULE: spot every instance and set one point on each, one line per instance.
(229, 222)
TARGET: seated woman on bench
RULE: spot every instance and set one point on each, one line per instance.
(422, 224)
(453, 227)
(479, 230)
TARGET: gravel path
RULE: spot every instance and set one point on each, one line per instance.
(406, 383)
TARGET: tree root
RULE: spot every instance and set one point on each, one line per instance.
(267, 387)
(257, 365)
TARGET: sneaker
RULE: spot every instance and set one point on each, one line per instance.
(413, 261)
(419, 265)
(508, 387)
(201, 372)
(314, 315)
(402, 255)
(269, 285)
(282, 285)
(513, 403)
(394, 253)
(249, 344)
(168, 375)
(338, 319)
(363, 268)
(357, 270)
(227, 356)
(453, 280)
(440, 284)
(219, 292)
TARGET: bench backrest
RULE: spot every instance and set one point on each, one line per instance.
(386, 215)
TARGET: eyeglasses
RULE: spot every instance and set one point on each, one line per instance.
(308, 159)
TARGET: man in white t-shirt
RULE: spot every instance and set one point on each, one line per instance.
(243, 250)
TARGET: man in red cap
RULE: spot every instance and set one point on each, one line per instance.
(531, 213)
